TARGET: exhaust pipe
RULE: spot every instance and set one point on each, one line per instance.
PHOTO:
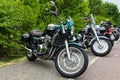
(27, 48)
(30, 50)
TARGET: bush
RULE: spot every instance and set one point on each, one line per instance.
(15, 18)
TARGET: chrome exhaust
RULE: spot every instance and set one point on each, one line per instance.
(27, 48)
(30, 51)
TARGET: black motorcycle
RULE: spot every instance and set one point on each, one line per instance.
(53, 44)
(88, 37)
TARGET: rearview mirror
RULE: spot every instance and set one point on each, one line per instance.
(52, 3)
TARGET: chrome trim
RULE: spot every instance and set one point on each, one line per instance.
(67, 48)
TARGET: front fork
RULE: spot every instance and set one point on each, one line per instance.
(66, 43)
(96, 36)
(67, 49)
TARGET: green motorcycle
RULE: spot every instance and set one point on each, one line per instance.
(70, 59)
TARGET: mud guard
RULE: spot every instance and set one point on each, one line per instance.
(100, 37)
(77, 44)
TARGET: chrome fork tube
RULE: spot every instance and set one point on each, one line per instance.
(93, 28)
(66, 43)
(96, 35)
(67, 49)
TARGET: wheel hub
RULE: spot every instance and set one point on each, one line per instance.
(100, 47)
(72, 62)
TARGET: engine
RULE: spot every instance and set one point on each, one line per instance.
(43, 44)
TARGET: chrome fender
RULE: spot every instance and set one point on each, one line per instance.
(100, 37)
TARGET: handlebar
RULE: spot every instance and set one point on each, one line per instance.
(91, 18)
(53, 12)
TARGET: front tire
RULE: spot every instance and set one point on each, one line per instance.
(75, 67)
(102, 50)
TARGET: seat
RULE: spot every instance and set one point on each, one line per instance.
(36, 33)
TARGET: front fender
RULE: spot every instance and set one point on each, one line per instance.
(100, 37)
(76, 44)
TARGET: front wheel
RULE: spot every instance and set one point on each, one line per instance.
(101, 50)
(74, 67)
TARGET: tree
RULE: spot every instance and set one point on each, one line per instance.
(95, 6)
(111, 11)
(15, 18)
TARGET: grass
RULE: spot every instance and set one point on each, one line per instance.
(6, 61)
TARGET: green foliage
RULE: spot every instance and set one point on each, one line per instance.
(111, 11)
(118, 22)
(15, 18)
(105, 10)
(100, 18)
(95, 6)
